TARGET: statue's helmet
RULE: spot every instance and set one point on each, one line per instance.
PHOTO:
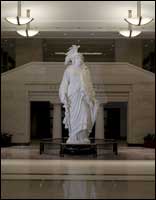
(73, 51)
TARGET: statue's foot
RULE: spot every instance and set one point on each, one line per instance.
(72, 140)
(85, 141)
(69, 141)
(83, 137)
(80, 138)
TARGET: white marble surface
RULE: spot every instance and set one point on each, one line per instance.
(71, 179)
(39, 81)
(77, 95)
(78, 167)
(53, 153)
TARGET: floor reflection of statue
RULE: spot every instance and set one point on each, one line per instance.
(79, 189)
(78, 97)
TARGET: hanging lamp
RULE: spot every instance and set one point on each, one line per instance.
(130, 32)
(19, 20)
(28, 32)
(139, 20)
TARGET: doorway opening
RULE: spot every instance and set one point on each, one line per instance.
(40, 120)
(115, 120)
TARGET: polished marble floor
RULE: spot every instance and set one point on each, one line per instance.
(25, 174)
(64, 189)
(81, 179)
(52, 152)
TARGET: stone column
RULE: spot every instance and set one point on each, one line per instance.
(99, 127)
(57, 124)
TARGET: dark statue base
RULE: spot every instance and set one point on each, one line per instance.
(78, 149)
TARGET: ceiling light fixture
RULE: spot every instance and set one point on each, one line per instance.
(19, 20)
(139, 20)
(28, 32)
(130, 33)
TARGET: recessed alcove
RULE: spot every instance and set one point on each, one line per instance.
(40, 120)
(115, 120)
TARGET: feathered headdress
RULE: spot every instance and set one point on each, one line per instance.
(73, 51)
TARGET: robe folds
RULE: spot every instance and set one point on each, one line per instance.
(78, 97)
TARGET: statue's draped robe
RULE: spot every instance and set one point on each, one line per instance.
(78, 97)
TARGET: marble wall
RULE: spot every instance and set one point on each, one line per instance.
(113, 82)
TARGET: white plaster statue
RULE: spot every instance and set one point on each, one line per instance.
(78, 97)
